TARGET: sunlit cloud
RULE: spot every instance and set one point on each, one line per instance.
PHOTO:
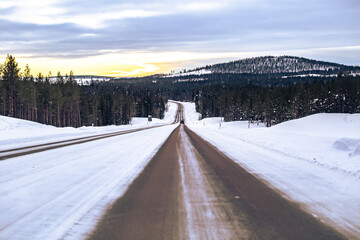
(140, 70)
(200, 6)
(147, 63)
(51, 12)
(139, 37)
(88, 35)
(35, 11)
(97, 20)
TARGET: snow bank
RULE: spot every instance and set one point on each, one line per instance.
(314, 160)
(330, 140)
(17, 132)
(324, 124)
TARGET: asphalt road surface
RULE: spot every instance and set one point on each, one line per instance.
(190, 190)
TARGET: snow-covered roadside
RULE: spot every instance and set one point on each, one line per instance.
(313, 160)
(62, 193)
(19, 133)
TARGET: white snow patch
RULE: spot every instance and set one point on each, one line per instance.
(196, 72)
(324, 124)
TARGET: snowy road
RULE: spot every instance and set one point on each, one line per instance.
(177, 187)
(191, 191)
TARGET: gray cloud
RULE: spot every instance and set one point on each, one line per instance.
(262, 26)
(6, 11)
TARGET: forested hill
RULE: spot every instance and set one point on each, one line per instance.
(275, 65)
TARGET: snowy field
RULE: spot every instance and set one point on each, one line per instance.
(314, 160)
(19, 133)
(61, 193)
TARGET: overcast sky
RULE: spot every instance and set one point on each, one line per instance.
(135, 37)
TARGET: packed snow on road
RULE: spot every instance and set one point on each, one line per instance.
(62, 193)
(314, 160)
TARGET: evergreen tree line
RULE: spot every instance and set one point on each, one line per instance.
(277, 104)
(62, 102)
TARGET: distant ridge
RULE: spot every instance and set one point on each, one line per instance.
(273, 65)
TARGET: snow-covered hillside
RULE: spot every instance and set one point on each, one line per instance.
(288, 66)
(278, 64)
(314, 160)
(189, 73)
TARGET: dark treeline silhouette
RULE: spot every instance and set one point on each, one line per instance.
(279, 103)
(62, 102)
(272, 99)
